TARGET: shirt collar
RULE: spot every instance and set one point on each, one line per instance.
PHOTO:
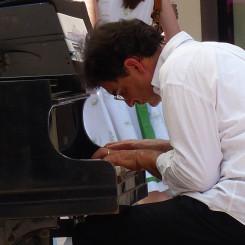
(169, 48)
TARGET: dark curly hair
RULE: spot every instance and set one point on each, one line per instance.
(108, 45)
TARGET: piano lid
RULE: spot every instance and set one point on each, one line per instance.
(40, 99)
(48, 45)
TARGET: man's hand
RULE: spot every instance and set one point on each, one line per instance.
(124, 158)
(150, 144)
(131, 159)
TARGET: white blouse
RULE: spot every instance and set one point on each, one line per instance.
(113, 10)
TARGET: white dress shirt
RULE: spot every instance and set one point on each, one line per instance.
(202, 85)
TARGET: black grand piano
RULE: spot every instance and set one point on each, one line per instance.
(45, 168)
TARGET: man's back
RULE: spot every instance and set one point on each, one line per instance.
(209, 92)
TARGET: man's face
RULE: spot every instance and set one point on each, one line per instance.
(136, 86)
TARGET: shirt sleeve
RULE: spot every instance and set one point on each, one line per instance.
(194, 163)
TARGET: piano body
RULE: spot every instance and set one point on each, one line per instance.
(45, 166)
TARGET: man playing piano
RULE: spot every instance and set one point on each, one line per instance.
(201, 85)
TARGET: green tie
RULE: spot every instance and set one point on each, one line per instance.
(146, 128)
(144, 122)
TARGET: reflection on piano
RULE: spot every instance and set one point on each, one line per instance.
(45, 166)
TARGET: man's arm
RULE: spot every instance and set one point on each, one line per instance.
(92, 9)
(147, 144)
(168, 20)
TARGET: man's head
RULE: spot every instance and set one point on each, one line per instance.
(121, 57)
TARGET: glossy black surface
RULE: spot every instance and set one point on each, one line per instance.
(45, 165)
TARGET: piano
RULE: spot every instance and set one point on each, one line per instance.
(45, 168)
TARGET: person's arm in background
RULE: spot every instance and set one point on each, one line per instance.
(92, 9)
(168, 20)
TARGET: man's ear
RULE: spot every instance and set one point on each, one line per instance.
(134, 65)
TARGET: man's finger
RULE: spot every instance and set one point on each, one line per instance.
(101, 153)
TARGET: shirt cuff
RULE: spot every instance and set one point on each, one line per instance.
(164, 161)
